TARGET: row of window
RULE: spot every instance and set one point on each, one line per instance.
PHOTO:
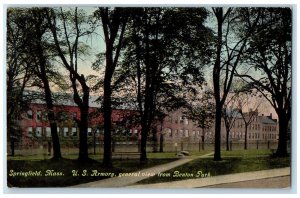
(178, 119)
(251, 127)
(236, 135)
(42, 115)
(67, 132)
(269, 136)
(46, 131)
(238, 124)
(182, 133)
(269, 128)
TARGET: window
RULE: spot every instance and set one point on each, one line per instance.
(186, 133)
(180, 133)
(48, 132)
(74, 115)
(74, 131)
(97, 133)
(90, 132)
(180, 119)
(29, 131)
(38, 131)
(66, 131)
(45, 116)
(175, 133)
(194, 133)
(39, 116)
(185, 121)
(29, 114)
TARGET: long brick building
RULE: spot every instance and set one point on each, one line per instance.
(177, 127)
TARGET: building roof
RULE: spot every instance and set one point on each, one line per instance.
(66, 99)
(267, 120)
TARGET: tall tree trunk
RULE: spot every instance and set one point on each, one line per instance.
(107, 157)
(217, 154)
(12, 145)
(282, 142)
(227, 140)
(246, 137)
(161, 143)
(144, 134)
(107, 111)
(54, 133)
(51, 116)
(216, 81)
(83, 125)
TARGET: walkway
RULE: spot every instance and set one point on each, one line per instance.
(263, 176)
(140, 175)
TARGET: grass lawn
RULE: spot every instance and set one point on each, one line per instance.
(66, 169)
(233, 162)
(167, 155)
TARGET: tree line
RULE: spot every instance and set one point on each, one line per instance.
(156, 59)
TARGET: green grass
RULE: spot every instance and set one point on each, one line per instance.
(65, 166)
(246, 153)
(229, 165)
(167, 155)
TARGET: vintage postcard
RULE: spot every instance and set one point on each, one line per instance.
(149, 97)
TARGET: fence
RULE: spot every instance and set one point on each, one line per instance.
(69, 148)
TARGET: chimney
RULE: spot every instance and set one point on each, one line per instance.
(271, 115)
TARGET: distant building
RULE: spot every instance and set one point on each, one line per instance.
(177, 127)
(35, 126)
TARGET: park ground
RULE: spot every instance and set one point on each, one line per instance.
(68, 172)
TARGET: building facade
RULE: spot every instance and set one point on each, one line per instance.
(177, 127)
(35, 127)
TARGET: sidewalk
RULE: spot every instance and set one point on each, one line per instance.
(222, 179)
(142, 174)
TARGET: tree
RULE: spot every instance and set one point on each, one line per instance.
(270, 52)
(17, 74)
(228, 54)
(230, 113)
(248, 103)
(202, 112)
(39, 50)
(68, 27)
(113, 23)
(165, 61)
